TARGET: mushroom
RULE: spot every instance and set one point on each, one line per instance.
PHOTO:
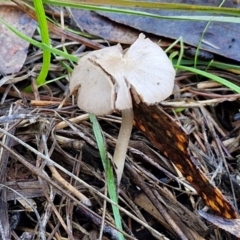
(108, 79)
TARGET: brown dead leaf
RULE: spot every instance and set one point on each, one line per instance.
(13, 49)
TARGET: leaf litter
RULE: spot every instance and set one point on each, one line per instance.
(13, 49)
(49, 155)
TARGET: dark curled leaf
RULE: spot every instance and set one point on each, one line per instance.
(166, 135)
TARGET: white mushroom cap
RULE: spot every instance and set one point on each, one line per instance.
(105, 76)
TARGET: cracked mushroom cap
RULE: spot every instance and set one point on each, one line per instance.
(108, 78)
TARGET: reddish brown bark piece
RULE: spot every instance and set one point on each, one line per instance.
(166, 135)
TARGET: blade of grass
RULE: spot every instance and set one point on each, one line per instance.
(212, 63)
(223, 81)
(201, 39)
(147, 5)
(212, 18)
(108, 170)
(42, 22)
(180, 40)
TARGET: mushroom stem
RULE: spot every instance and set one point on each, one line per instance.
(122, 142)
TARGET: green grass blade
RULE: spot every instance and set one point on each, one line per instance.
(42, 22)
(45, 39)
(212, 63)
(108, 170)
(213, 18)
(181, 52)
(146, 5)
(223, 81)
